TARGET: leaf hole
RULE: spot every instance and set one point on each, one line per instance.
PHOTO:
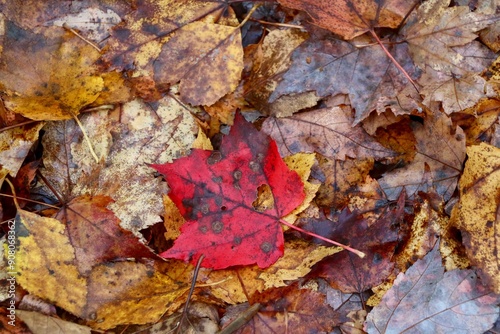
(264, 200)
(223, 208)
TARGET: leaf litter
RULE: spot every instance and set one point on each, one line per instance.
(375, 124)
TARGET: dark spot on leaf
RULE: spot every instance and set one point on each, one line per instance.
(203, 229)
(237, 175)
(205, 208)
(254, 166)
(217, 179)
(266, 247)
(214, 158)
(217, 227)
(223, 208)
(237, 240)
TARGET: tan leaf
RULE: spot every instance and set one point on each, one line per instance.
(435, 30)
(141, 136)
(326, 131)
(439, 146)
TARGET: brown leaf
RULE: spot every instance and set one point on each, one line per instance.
(268, 67)
(302, 310)
(326, 131)
(96, 235)
(425, 299)
(330, 67)
(349, 18)
(477, 214)
(48, 76)
(346, 271)
(442, 148)
(435, 30)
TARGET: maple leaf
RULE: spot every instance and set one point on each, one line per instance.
(477, 214)
(330, 66)
(440, 147)
(326, 131)
(435, 31)
(350, 273)
(425, 299)
(349, 18)
(215, 192)
(48, 76)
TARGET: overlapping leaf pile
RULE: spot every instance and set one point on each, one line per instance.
(376, 125)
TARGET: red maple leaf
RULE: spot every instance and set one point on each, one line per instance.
(214, 191)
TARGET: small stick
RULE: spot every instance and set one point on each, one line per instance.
(65, 26)
(355, 251)
(193, 284)
(241, 320)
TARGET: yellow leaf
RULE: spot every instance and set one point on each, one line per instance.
(206, 58)
(49, 76)
(110, 294)
(477, 214)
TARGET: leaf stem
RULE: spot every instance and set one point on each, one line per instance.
(355, 251)
(394, 61)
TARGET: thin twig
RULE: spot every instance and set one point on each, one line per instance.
(87, 139)
(81, 37)
(193, 284)
(241, 320)
(30, 200)
(284, 25)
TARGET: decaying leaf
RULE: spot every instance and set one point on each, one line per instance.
(14, 146)
(349, 18)
(242, 283)
(434, 31)
(199, 53)
(302, 310)
(111, 293)
(216, 190)
(477, 214)
(326, 131)
(441, 147)
(333, 67)
(142, 134)
(427, 300)
(48, 76)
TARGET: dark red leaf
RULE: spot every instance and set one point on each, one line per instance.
(214, 191)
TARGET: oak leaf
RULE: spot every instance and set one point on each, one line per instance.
(425, 299)
(215, 191)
